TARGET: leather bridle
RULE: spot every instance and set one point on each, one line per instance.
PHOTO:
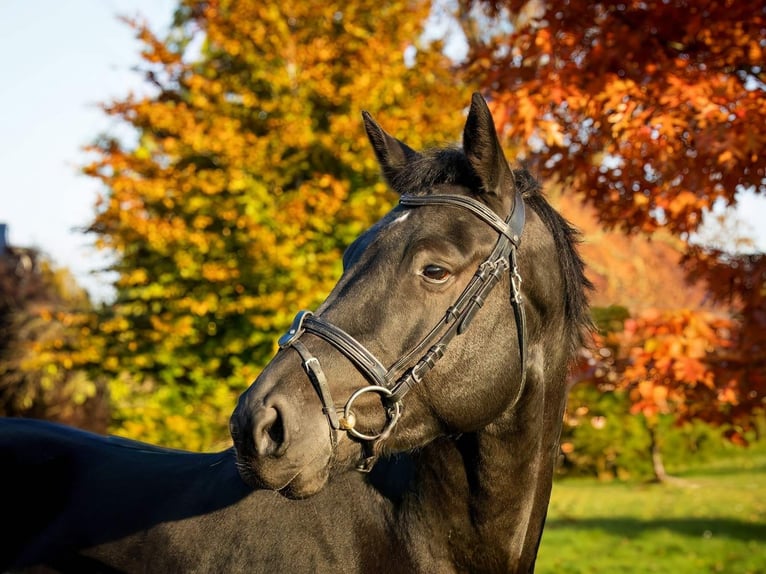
(394, 383)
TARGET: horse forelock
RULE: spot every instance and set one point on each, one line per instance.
(432, 168)
(450, 166)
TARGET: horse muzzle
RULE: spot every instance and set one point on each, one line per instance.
(280, 445)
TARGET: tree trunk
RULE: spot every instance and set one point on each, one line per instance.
(658, 467)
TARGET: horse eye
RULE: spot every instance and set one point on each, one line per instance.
(435, 273)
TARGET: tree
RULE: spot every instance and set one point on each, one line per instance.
(741, 281)
(670, 363)
(651, 109)
(249, 175)
(37, 304)
(653, 112)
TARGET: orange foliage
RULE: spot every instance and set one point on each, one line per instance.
(684, 363)
(633, 271)
(652, 111)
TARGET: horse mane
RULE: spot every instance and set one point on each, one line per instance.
(450, 166)
(566, 238)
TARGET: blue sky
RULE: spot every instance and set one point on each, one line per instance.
(58, 60)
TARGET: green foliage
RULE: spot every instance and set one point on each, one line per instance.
(610, 319)
(601, 438)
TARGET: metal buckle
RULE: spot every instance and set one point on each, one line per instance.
(295, 330)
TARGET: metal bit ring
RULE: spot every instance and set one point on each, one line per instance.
(393, 412)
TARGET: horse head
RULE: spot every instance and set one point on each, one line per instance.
(429, 331)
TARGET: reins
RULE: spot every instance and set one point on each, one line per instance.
(394, 383)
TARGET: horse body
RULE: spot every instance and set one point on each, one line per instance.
(87, 503)
(460, 432)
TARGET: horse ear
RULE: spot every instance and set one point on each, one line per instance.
(482, 147)
(393, 155)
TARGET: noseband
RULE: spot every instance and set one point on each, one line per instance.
(394, 383)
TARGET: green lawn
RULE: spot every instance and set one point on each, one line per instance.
(713, 520)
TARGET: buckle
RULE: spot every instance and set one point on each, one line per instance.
(295, 330)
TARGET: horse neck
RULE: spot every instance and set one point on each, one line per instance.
(481, 499)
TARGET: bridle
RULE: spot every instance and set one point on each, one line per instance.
(394, 383)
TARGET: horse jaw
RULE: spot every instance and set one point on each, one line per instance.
(302, 482)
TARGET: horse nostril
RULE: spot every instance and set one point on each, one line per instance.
(269, 433)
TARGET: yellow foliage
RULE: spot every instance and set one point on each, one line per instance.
(234, 208)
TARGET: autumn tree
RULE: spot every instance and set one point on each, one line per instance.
(672, 363)
(37, 304)
(653, 112)
(249, 175)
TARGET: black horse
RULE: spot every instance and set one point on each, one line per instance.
(437, 367)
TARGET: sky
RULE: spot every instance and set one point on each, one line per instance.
(58, 61)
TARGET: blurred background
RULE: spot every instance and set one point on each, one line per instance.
(178, 177)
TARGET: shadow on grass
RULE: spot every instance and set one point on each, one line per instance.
(691, 527)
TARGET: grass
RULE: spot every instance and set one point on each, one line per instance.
(711, 520)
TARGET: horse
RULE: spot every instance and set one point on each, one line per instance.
(410, 424)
